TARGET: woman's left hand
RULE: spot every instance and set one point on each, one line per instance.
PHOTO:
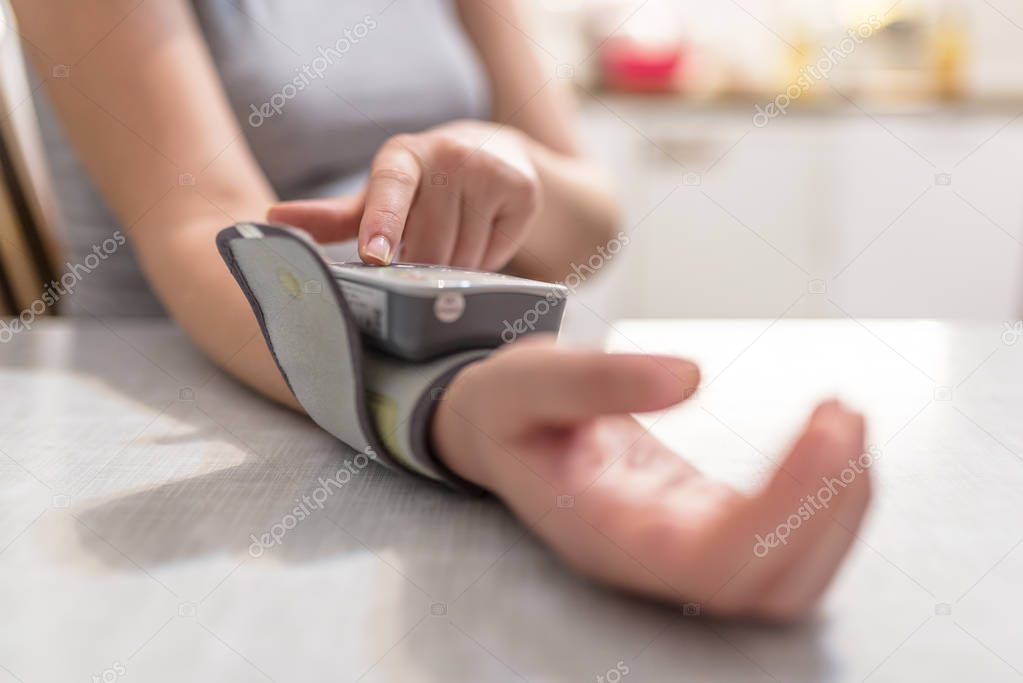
(463, 194)
(550, 431)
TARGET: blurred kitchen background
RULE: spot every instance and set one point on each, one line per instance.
(889, 187)
(799, 158)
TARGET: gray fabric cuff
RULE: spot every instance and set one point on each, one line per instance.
(373, 402)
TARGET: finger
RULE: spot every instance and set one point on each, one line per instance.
(473, 234)
(511, 223)
(774, 534)
(812, 564)
(393, 184)
(432, 227)
(505, 241)
(327, 220)
(559, 386)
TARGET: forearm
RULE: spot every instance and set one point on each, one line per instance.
(579, 214)
(184, 268)
(149, 120)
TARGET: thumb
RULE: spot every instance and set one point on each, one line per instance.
(327, 220)
(552, 385)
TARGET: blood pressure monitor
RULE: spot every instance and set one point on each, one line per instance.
(368, 350)
(418, 312)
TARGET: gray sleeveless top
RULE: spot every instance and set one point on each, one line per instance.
(317, 86)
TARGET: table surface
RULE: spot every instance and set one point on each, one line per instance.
(134, 477)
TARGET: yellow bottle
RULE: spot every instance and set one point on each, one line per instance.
(948, 54)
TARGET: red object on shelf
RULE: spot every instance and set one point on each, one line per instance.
(637, 67)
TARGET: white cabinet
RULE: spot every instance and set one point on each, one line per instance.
(821, 214)
(932, 231)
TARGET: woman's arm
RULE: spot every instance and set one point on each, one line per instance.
(147, 116)
(578, 213)
(514, 192)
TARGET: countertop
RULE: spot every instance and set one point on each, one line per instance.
(137, 483)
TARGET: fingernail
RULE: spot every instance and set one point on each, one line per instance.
(379, 249)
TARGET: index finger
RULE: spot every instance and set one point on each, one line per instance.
(393, 183)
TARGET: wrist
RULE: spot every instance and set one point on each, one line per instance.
(454, 438)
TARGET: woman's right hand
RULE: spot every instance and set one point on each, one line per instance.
(549, 431)
(464, 194)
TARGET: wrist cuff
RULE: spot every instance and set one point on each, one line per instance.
(373, 402)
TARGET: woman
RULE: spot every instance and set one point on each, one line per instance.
(434, 127)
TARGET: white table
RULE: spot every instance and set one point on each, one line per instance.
(132, 475)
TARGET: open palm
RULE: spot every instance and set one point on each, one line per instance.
(550, 431)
